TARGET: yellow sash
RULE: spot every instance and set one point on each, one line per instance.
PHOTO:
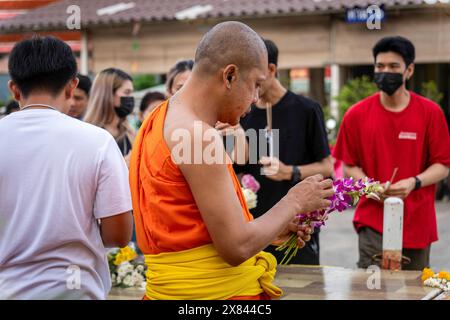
(201, 274)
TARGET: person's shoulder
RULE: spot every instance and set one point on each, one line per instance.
(189, 126)
(4, 119)
(87, 132)
(5, 124)
(303, 100)
(83, 126)
(304, 104)
(426, 104)
(361, 107)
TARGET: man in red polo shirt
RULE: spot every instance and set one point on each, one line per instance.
(396, 128)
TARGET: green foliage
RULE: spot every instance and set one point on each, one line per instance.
(354, 91)
(430, 91)
(144, 81)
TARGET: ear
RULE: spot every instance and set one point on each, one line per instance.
(229, 75)
(71, 86)
(14, 90)
(273, 70)
(410, 71)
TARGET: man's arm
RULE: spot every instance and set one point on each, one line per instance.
(433, 174)
(276, 170)
(323, 167)
(353, 171)
(403, 188)
(317, 146)
(236, 239)
(116, 231)
(112, 204)
(439, 155)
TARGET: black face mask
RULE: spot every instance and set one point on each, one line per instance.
(126, 107)
(388, 82)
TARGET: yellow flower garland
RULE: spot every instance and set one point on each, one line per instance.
(125, 254)
(427, 273)
(444, 275)
(439, 280)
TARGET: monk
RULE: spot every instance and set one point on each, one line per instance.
(192, 222)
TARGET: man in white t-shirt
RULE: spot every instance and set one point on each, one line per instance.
(64, 191)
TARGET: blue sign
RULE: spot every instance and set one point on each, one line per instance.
(362, 15)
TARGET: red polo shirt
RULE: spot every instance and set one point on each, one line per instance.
(378, 140)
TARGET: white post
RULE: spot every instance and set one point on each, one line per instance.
(392, 234)
(335, 87)
(84, 54)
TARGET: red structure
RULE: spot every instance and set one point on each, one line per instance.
(13, 8)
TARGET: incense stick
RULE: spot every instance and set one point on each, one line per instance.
(269, 128)
(388, 184)
(269, 116)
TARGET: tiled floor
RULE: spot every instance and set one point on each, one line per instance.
(318, 283)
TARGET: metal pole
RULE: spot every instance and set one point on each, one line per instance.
(335, 87)
(84, 54)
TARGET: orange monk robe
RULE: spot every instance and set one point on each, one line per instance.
(166, 216)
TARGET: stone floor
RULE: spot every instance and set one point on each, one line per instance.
(339, 242)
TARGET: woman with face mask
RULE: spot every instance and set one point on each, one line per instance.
(109, 105)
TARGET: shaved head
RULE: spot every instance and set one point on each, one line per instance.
(228, 43)
(230, 65)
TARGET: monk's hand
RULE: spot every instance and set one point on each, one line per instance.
(226, 129)
(401, 188)
(275, 170)
(292, 227)
(310, 195)
(303, 233)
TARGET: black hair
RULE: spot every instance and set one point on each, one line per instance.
(12, 106)
(42, 63)
(179, 67)
(272, 51)
(149, 98)
(84, 83)
(399, 45)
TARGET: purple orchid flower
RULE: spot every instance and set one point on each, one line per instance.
(249, 182)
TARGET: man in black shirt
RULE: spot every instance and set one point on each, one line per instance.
(303, 148)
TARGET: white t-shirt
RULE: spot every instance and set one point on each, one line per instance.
(58, 175)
